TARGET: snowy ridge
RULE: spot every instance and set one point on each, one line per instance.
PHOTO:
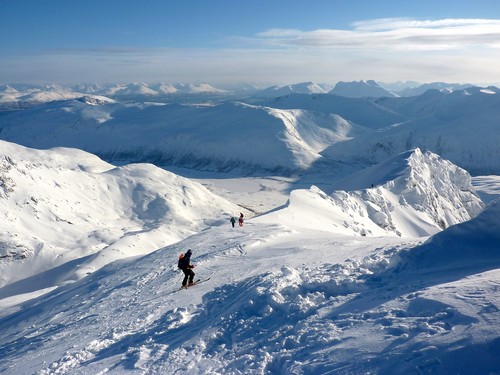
(96, 100)
(61, 205)
(26, 95)
(298, 88)
(224, 136)
(35, 95)
(459, 126)
(413, 194)
(361, 111)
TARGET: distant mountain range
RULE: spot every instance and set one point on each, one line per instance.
(285, 134)
(14, 96)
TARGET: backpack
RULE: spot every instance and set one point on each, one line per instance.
(180, 263)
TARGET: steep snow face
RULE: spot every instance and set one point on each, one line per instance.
(413, 194)
(221, 137)
(62, 205)
(361, 111)
(475, 246)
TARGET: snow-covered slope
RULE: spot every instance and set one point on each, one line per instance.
(66, 213)
(476, 245)
(360, 111)
(412, 194)
(361, 89)
(461, 126)
(221, 137)
(279, 301)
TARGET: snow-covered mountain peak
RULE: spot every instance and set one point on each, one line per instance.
(422, 181)
(130, 89)
(361, 89)
(96, 100)
(297, 88)
(203, 88)
(413, 194)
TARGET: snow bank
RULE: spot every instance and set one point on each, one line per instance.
(472, 245)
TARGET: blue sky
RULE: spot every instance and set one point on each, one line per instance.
(254, 41)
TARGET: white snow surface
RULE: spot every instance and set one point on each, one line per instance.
(282, 298)
(67, 213)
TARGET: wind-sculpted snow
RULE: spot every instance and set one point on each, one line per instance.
(472, 244)
(62, 205)
(413, 194)
(212, 136)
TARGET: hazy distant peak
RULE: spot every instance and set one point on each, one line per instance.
(298, 88)
(96, 100)
(361, 89)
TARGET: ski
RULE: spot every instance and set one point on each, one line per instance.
(199, 281)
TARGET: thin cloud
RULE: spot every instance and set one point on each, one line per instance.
(393, 34)
(452, 50)
(404, 23)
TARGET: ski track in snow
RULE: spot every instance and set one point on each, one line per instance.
(290, 313)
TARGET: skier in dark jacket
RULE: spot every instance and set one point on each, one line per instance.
(186, 267)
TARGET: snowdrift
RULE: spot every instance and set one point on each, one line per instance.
(413, 194)
(67, 213)
(469, 247)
